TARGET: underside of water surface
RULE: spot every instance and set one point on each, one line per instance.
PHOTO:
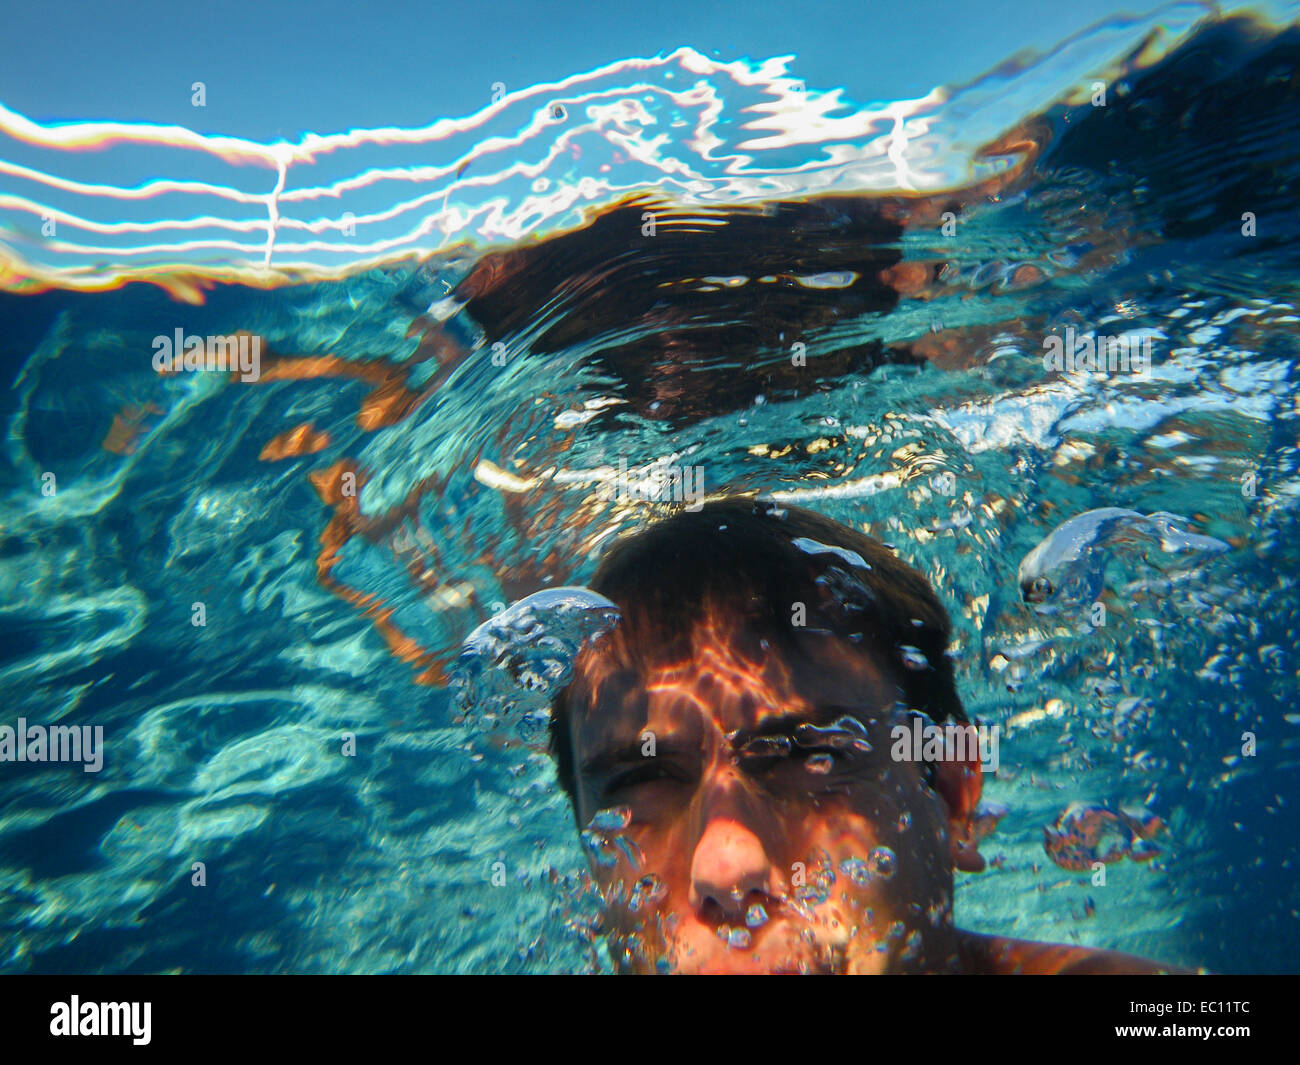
(1038, 333)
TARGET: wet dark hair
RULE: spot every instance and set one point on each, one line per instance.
(738, 557)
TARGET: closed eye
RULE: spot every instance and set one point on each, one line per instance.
(649, 773)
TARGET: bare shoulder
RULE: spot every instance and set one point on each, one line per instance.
(1000, 955)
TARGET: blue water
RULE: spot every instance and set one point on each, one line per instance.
(926, 416)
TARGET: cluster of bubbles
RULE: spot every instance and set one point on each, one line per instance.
(605, 841)
(817, 886)
(879, 865)
(1087, 833)
(647, 893)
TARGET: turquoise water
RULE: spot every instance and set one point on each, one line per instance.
(229, 615)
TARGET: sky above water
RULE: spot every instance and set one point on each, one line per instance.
(277, 70)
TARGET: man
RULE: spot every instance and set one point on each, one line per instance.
(731, 746)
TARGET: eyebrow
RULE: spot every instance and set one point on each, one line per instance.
(821, 716)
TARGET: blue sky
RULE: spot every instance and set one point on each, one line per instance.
(276, 69)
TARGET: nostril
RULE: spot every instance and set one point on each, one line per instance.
(753, 909)
(712, 913)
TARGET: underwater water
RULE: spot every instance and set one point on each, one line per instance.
(1039, 333)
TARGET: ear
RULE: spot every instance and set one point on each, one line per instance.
(959, 784)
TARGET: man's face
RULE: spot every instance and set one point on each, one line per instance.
(747, 817)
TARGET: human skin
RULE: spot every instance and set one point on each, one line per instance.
(726, 827)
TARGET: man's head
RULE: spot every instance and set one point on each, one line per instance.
(735, 728)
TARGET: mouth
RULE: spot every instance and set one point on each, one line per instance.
(756, 965)
(782, 946)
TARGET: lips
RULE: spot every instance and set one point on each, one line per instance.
(777, 948)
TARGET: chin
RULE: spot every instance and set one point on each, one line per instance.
(750, 963)
(833, 962)
(777, 967)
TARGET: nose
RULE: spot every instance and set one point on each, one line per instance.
(729, 864)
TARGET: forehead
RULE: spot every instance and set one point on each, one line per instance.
(718, 687)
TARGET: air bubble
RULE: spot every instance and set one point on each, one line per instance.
(597, 846)
(820, 764)
(533, 725)
(883, 862)
(913, 657)
(613, 819)
(648, 892)
(856, 870)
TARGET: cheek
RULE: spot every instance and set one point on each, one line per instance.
(640, 868)
(888, 844)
